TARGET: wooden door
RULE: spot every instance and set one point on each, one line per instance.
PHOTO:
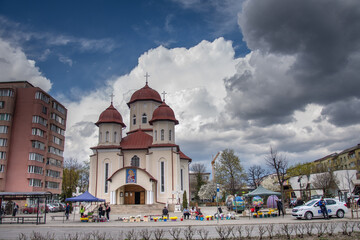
(142, 197)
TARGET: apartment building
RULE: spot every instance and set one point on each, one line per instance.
(32, 135)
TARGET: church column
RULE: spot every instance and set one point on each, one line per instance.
(112, 197)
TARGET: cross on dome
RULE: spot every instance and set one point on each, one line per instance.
(112, 97)
(146, 77)
(164, 93)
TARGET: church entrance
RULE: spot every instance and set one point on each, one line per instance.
(134, 194)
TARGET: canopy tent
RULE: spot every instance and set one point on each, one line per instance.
(85, 197)
(261, 191)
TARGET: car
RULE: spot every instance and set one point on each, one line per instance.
(52, 208)
(33, 209)
(311, 209)
(58, 206)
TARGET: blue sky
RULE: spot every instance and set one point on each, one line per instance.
(244, 75)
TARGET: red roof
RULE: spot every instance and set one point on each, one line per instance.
(163, 113)
(183, 156)
(110, 115)
(136, 140)
(144, 94)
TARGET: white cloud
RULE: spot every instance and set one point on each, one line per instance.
(65, 60)
(15, 66)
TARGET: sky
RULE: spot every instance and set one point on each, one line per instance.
(245, 75)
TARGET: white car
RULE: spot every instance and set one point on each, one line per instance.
(311, 209)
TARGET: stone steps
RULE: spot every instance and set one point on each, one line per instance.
(137, 209)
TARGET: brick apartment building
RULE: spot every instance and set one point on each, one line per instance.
(32, 129)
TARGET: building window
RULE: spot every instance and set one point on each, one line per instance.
(39, 120)
(34, 182)
(53, 185)
(135, 161)
(107, 136)
(2, 104)
(134, 119)
(42, 96)
(6, 93)
(53, 162)
(56, 129)
(55, 151)
(57, 106)
(115, 137)
(162, 132)
(57, 140)
(2, 155)
(36, 157)
(3, 129)
(170, 135)
(144, 118)
(44, 110)
(155, 135)
(181, 179)
(100, 137)
(52, 173)
(57, 118)
(106, 177)
(2, 168)
(38, 145)
(162, 176)
(37, 132)
(3, 142)
(35, 169)
(5, 116)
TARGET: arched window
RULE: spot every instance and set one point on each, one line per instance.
(144, 118)
(162, 134)
(115, 137)
(135, 161)
(107, 136)
(169, 135)
(100, 136)
(134, 119)
(162, 176)
(155, 135)
(106, 176)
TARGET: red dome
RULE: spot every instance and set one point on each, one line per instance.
(145, 93)
(163, 113)
(110, 115)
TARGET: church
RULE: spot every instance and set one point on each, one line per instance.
(146, 166)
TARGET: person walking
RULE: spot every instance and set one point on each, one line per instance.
(280, 207)
(82, 211)
(15, 210)
(107, 210)
(322, 205)
(100, 210)
(67, 211)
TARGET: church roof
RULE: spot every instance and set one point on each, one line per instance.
(163, 113)
(144, 94)
(183, 156)
(110, 115)
(136, 140)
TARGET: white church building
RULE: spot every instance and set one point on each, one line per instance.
(144, 167)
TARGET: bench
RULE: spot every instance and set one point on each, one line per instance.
(21, 219)
(53, 218)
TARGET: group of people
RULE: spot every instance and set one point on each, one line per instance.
(104, 210)
(192, 212)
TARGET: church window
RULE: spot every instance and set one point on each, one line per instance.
(107, 136)
(162, 134)
(144, 118)
(155, 135)
(135, 161)
(162, 176)
(100, 136)
(181, 179)
(169, 135)
(134, 119)
(115, 137)
(106, 176)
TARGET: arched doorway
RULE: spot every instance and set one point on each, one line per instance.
(134, 194)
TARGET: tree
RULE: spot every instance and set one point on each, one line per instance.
(299, 170)
(229, 172)
(75, 174)
(279, 164)
(209, 190)
(255, 173)
(325, 181)
(199, 170)
(185, 201)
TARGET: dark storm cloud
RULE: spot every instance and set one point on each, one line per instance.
(343, 113)
(322, 37)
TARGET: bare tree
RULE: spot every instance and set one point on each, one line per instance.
(279, 164)
(325, 181)
(255, 173)
(199, 170)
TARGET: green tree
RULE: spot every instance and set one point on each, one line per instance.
(185, 201)
(229, 172)
(198, 169)
(299, 170)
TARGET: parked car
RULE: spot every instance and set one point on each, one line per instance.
(52, 208)
(57, 206)
(311, 209)
(63, 206)
(33, 209)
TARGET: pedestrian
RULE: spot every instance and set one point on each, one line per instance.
(165, 212)
(108, 209)
(67, 211)
(82, 211)
(322, 205)
(100, 210)
(186, 213)
(280, 207)
(299, 202)
(15, 209)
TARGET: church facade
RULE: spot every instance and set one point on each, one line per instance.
(146, 166)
